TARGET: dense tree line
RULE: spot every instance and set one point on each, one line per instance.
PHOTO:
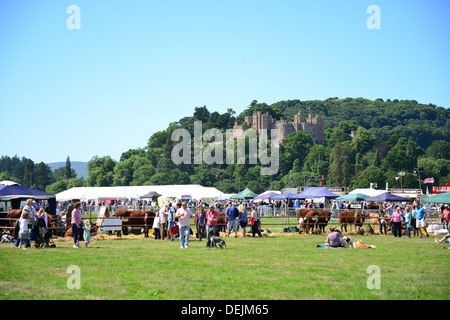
(366, 142)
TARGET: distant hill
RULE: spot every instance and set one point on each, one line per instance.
(79, 167)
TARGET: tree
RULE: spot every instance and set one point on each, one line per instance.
(317, 160)
(143, 174)
(202, 114)
(439, 149)
(341, 167)
(364, 140)
(42, 176)
(376, 159)
(370, 175)
(68, 173)
(294, 146)
(100, 172)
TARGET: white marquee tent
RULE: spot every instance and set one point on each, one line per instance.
(368, 191)
(195, 191)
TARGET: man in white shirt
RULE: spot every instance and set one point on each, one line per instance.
(184, 214)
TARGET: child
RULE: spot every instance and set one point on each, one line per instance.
(87, 232)
(24, 234)
(157, 227)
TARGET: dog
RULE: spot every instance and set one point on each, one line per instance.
(216, 241)
(350, 242)
(361, 245)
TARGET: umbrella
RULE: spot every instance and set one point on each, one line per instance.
(386, 197)
(353, 197)
(244, 194)
(151, 194)
(439, 198)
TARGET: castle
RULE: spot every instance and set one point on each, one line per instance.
(314, 126)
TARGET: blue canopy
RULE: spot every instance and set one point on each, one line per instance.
(286, 195)
(16, 192)
(265, 195)
(386, 197)
(316, 192)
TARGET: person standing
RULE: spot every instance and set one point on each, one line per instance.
(156, 227)
(408, 219)
(232, 224)
(200, 222)
(171, 222)
(389, 211)
(76, 225)
(87, 232)
(421, 222)
(382, 222)
(255, 222)
(446, 217)
(69, 210)
(211, 224)
(184, 214)
(24, 235)
(243, 219)
(163, 213)
(396, 222)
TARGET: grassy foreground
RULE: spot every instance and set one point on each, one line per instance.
(279, 266)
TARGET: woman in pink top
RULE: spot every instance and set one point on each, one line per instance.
(211, 223)
(76, 225)
(396, 222)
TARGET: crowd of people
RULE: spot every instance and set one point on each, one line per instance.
(33, 225)
(170, 221)
(413, 216)
(174, 220)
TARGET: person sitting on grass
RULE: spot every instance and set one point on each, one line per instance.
(445, 239)
(335, 239)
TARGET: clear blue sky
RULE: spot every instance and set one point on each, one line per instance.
(135, 66)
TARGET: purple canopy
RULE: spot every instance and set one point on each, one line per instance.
(316, 192)
(16, 192)
(386, 197)
(286, 195)
(265, 195)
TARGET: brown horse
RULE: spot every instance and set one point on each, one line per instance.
(352, 218)
(322, 219)
(301, 213)
(13, 216)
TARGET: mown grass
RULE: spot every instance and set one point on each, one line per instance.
(285, 266)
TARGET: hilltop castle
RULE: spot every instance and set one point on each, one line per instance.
(314, 126)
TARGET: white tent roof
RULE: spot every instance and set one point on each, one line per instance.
(368, 191)
(9, 183)
(91, 193)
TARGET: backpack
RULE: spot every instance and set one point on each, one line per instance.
(236, 212)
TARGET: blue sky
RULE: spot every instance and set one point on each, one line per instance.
(135, 66)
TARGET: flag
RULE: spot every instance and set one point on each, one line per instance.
(429, 180)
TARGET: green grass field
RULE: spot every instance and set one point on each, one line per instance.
(281, 266)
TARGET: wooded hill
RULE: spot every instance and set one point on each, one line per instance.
(391, 137)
